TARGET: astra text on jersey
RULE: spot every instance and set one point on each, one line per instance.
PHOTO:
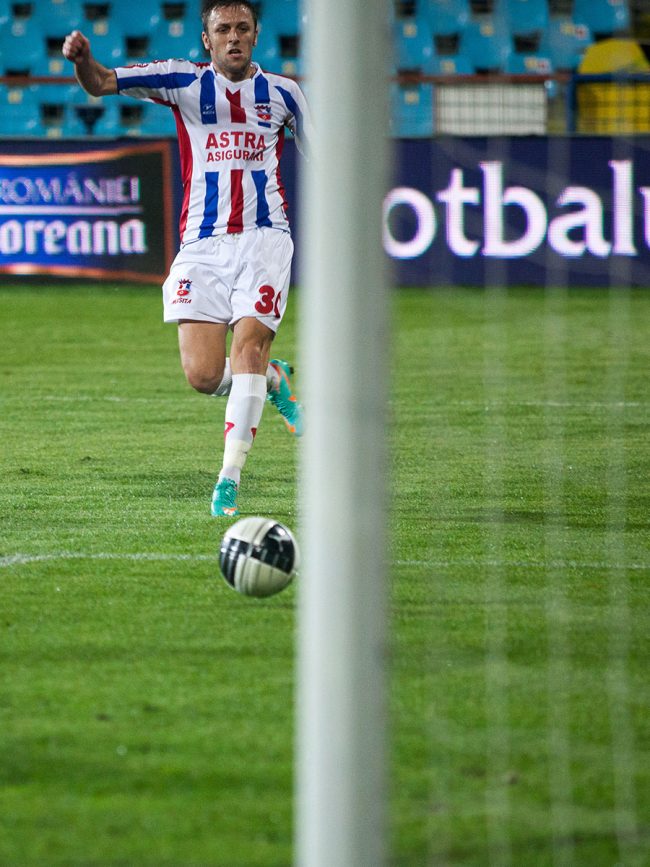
(230, 137)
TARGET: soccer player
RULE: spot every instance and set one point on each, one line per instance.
(232, 270)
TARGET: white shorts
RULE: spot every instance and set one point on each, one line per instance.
(226, 277)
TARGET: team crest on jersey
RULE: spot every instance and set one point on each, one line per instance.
(263, 111)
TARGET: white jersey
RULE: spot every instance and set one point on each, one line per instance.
(230, 138)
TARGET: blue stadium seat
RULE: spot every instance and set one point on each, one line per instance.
(524, 17)
(192, 20)
(174, 39)
(5, 12)
(412, 44)
(404, 9)
(446, 17)
(108, 121)
(181, 11)
(139, 119)
(603, 17)
(453, 64)
(565, 43)
(283, 16)
(107, 43)
(56, 64)
(19, 114)
(528, 64)
(267, 50)
(58, 17)
(55, 110)
(487, 45)
(89, 115)
(22, 48)
(412, 110)
(54, 19)
(136, 18)
(290, 55)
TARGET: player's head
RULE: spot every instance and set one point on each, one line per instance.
(208, 5)
(229, 35)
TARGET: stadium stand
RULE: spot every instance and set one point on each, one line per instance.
(603, 17)
(283, 16)
(22, 48)
(176, 38)
(19, 114)
(291, 62)
(413, 47)
(527, 22)
(136, 19)
(138, 119)
(94, 116)
(447, 17)
(524, 17)
(108, 43)
(58, 17)
(55, 110)
(268, 47)
(440, 38)
(450, 65)
(565, 42)
(487, 44)
(528, 64)
(412, 110)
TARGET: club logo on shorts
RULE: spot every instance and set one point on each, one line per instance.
(184, 287)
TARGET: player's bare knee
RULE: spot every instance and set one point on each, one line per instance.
(203, 381)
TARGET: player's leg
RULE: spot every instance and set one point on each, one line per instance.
(202, 348)
(283, 398)
(273, 377)
(271, 257)
(258, 299)
(249, 359)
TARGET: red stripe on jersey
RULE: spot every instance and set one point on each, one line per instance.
(237, 113)
(185, 153)
(236, 218)
(278, 152)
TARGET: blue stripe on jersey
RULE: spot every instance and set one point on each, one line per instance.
(263, 218)
(208, 98)
(262, 95)
(292, 105)
(210, 204)
(167, 81)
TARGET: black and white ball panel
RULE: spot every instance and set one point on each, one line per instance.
(258, 556)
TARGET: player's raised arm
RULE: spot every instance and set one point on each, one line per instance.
(97, 80)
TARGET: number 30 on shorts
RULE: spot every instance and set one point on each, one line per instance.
(269, 302)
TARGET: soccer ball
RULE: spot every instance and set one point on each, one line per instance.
(258, 556)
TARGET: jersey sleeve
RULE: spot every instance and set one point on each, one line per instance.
(159, 81)
(298, 117)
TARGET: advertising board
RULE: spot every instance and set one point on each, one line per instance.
(520, 211)
(96, 213)
(461, 211)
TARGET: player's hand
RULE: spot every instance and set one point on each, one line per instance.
(76, 47)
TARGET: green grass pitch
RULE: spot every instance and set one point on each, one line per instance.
(146, 709)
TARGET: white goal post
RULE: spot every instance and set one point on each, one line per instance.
(344, 362)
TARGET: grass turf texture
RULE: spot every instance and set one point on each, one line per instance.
(146, 708)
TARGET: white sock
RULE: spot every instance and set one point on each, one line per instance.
(272, 380)
(243, 414)
(226, 381)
